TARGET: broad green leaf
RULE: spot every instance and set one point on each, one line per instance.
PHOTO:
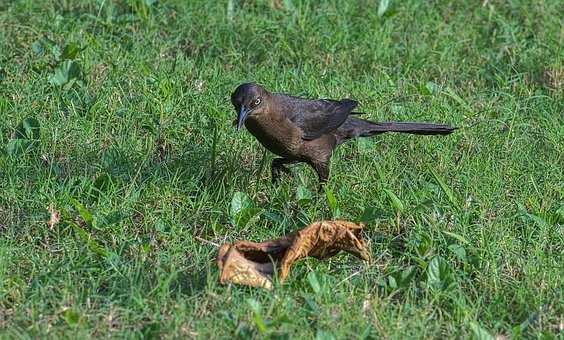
(67, 71)
(400, 279)
(71, 317)
(101, 184)
(94, 246)
(70, 51)
(245, 215)
(424, 245)
(272, 216)
(151, 330)
(539, 221)
(254, 305)
(459, 251)
(438, 273)
(370, 214)
(313, 282)
(366, 332)
(37, 48)
(230, 10)
(331, 200)
(434, 271)
(392, 283)
(456, 236)
(118, 216)
(395, 201)
(323, 335)
(239, 202)
(242, 209)
(406, 276)
(29, 128)
(383, 7)
(56, 51)
(430, 88)
(83, 212)
(459, 100)
(480, 333)
(310, 305)
(257, 315)
(380, 174)
(303, 195)
(559, 215)
(522, 327)
(16, 147)
(288, 4)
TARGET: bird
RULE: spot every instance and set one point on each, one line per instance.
(302, 130)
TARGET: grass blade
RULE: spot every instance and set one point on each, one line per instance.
(446, 190)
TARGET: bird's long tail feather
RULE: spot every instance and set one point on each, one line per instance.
(414, 128)
(355, 127)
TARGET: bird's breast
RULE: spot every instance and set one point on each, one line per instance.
(278, 136)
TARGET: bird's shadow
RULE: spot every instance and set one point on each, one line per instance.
(190, 283)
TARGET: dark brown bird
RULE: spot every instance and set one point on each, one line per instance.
(305, 130)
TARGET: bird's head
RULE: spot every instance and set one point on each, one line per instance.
(248, 100)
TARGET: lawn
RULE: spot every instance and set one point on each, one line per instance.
(121, 171)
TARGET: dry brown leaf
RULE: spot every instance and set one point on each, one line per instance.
(554, 78)
(253, 264)
(366, 305)
(55, 217)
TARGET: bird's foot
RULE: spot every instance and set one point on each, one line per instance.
(278, 171)
(277, 168)
(321, 187)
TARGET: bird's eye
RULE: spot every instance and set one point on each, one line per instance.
(256, 102)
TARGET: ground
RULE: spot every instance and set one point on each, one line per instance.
(120, 168)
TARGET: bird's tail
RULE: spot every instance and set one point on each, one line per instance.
(355, 127)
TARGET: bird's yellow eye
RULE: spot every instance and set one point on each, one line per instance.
(256, 102)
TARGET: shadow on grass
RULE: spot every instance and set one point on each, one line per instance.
(190, 283)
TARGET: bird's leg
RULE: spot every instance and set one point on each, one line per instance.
(278, 167)
(322, 169)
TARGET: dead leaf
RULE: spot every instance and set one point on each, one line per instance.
(554, 78)
(253, 264)
(55, 217)
(366, 305)
(199, 85)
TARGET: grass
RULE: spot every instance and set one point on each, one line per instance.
(116, 116)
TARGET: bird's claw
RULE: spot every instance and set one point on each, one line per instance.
(277, 172)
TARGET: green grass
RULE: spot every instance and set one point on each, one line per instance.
(138, 154)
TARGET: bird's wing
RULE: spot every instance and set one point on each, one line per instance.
(318, 117)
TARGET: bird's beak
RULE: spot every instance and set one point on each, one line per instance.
(243, 113)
